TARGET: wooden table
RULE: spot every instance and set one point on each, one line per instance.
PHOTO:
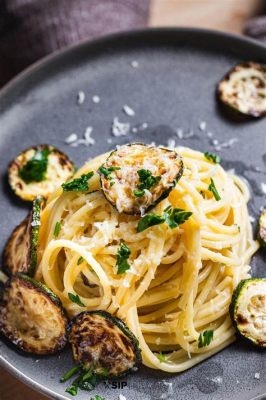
(224, 15)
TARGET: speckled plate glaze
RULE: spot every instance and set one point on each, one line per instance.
(173, 86)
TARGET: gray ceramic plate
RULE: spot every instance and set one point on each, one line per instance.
(172, 87)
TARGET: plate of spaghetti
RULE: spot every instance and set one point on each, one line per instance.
(133, 219)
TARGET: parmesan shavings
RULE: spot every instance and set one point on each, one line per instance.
(71, 138)
(134, 64)
(128, 111)
(96, 99)
(263, 187)
(224, 145)
(81, 97)
(120, 128)
(87, 139)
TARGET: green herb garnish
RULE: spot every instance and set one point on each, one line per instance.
(205, 339)
(97, 397)
(107, 171)
(212, 157)
(57, 229)
(122, 256)
(149, 220)
(35, 169)
(161, 356)
(80, 260)
(147, 181)
(172, 216)
(175, 216)
(212, 188)
(86, 380)
(76, 299)
(70, 373)
(79, 184)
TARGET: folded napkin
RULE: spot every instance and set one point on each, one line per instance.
(256, 28)
(31, 29)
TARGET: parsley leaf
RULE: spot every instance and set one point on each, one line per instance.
(176, 216)
(212, 188)
(70, 373)
(80, 260)
(212, 157)
(205, 339)
(172, 216)
(79, 184)
(35, 169)
(97, 397)
(57, 229)
(76, 299)
(73, 390)
(147, 181)
(121, 258)
(161, 357)
(106, 171)
(149, 220)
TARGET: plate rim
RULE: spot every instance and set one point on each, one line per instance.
(56, 55)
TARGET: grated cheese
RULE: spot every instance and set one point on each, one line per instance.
(263, 187)
(202, 126)
(81, 97)
(128, 111)
(71, 138)
(134, 64)
(120, 128)
(96, 99)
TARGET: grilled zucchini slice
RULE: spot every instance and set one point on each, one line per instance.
(244, 89)
(247, 310)
(136, 177)
(262, 228)
(102, 341)
(32, 317)
(20, 252)
(39, 171)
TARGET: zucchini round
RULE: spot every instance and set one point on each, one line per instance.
(244, 89)
(39, 171)
(32, 317)
(20, 252)
(262, 228)
(136, 177)
(247, 310)
(100, 340)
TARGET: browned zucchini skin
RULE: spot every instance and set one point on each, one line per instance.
(162, 197)
(43, 290)
(227, 106)
(23, 229)
(121, 325)
(63, 160)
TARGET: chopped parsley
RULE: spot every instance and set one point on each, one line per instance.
(57, 229)
(172, 216)
(35, 169)
(76, 299)
(147, 181)
(161, 357)
(205, 339)
(86, 380)
(122, 256)
(175, 216)
(212, 157)
(80, 260)
(79, 184)
(97, 397)
(106, 171)
(212, 188)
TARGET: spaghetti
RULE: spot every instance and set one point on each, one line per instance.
(180, 281)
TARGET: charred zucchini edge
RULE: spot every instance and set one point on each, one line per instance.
(52, 297)
(262, 228)
(164, 194)
(234, 306)
(122, 326)
(63, 159)
(226, 77)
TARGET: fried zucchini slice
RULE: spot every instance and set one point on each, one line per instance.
(248, 310)
(20, 252)
(32, 317)
(39, 171)
(262, 228)
(102, 341)
(244, 89)
(136, 177)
